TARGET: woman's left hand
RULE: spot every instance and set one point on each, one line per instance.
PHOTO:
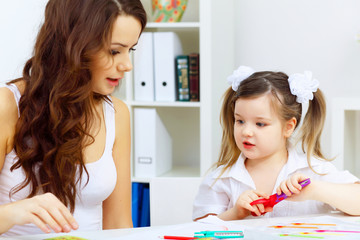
(293, 189)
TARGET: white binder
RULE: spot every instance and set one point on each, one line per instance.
(144, 68)
(167, 46)
(152, 144)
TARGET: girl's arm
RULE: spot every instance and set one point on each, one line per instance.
(117, 207)
(344, 197)
(234, 214)
(243, 208)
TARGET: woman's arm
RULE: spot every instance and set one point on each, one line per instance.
(8, 119)
(40, 210)
(117, 207)
(8, 108)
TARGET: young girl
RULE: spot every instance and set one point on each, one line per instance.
(65, 142)
(259, 114)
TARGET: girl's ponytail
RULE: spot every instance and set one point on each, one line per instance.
(229, 151)
(313, 125)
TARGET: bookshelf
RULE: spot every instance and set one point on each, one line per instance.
(171, 26)
(206, 28)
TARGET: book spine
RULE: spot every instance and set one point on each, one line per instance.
(145, 208)
(194, 77)
(183, 88)
(137, 191)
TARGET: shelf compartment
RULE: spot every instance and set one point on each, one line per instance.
(183, 125)
(176, 171)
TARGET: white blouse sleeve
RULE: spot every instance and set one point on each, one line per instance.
(211, 197)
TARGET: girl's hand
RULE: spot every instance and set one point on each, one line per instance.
(293, 189)
(243, 206)
(44, 211)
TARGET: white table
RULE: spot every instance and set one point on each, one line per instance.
(152, 233)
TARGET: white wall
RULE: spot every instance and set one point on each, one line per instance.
(293, 36)
(223, 57)
(19, 24)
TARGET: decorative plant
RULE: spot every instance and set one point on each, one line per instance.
(168, 10)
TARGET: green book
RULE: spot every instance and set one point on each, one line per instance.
(182, 78)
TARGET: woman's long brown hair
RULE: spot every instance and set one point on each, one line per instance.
(56, 108)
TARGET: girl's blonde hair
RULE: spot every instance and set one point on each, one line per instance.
(276, 84)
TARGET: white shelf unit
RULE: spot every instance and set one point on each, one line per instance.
(173, 25)
(206, 28)
(345, 134)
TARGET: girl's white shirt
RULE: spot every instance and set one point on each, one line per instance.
(217, 196)
(88, 205)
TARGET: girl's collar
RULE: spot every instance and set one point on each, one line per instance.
(238, 171)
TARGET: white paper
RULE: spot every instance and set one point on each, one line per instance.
(288, 223)
(211, 223)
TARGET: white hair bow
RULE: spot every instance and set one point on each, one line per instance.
(303, 86)
(240, 74)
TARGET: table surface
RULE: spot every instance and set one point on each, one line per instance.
(149, 233)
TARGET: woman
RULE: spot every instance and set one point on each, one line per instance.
(65, 142)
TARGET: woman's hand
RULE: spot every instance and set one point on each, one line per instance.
(294, 190)
(45, 211)
(243, 206)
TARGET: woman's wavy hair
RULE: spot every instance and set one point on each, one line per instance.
(284, 102)
(56, 108)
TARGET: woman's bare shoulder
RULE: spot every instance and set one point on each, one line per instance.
(120, 106)
(8, 119)
(122, 116)
(8, 106)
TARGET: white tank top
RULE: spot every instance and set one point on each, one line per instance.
(88, 205)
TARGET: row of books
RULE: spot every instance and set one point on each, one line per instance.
(187, 77)
(162, 72)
